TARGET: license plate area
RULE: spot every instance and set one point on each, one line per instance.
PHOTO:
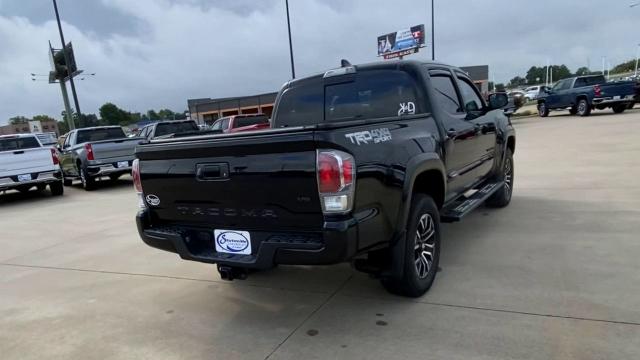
(122, 164)
(232, 241)
(24, 177)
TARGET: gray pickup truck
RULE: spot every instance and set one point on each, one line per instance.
(91, 153)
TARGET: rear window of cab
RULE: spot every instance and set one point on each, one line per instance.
(369, 94)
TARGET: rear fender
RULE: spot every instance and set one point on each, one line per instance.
(416, 166)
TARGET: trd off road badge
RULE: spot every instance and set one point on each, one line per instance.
(370, 136)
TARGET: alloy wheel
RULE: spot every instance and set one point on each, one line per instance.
(425, 243)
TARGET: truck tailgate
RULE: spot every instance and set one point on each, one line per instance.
(111, 149)
(25, 161)
(621, 89)
(245, 182)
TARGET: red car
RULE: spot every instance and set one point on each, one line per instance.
(237, 123)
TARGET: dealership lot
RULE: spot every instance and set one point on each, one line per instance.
(554, 275)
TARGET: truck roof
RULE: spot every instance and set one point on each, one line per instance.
(13, 136)
(100, 127)
(377, 65)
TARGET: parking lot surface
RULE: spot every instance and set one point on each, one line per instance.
(556, 275)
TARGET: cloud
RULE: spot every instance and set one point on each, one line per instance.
(194, 48)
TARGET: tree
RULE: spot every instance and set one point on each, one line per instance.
(500, 87)
(535, 75)
(18, 120)
(87, 120)
(583, 71)
(44, 118)
(153, 115)
(166, 114)
(627, 66)
(561, 72)
(113, 115)
(63, 127)
(517, 81)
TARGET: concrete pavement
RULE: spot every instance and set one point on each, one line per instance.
(555, 275)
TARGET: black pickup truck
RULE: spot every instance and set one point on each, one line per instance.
(362, 164)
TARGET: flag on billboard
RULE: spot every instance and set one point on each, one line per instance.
(400, 43)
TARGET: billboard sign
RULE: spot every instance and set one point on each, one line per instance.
(401, 43)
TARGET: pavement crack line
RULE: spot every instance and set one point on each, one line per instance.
(505, 311)
(222, 282)
(322, 305)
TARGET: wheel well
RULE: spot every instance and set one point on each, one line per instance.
(431, 183)
(580, 97)
(511, 144)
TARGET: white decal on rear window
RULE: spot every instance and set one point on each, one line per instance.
(408, 108)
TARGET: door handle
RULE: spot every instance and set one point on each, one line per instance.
(207, 172)
(452, 133)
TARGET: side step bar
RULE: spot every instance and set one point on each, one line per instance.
(464, 205)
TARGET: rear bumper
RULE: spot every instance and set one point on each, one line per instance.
(612, 100)
(336, 243)
(47, 177)
(109, 168)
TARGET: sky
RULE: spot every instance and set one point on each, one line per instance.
(152, 54)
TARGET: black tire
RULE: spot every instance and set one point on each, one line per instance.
(583, 107)
(573, 110)
(631, 105)
(619, 109)
(502, 197)
(543, 110)
(421, 254)
(56, 188)
(24, 189)
(88, 183)
(65, 181)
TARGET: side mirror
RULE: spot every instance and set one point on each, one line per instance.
(498, 100)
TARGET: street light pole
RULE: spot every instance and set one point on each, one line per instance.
(293, 69)
(433, 33)
(637, 56)
(66, 60)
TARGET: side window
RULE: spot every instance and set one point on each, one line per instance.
(67, 141)
(217, 125)
(225, 124)
(446, 94)
(580, 82)
(471, 99)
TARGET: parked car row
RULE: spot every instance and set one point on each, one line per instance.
(89, 154)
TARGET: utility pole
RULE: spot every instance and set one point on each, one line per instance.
(433, 32)
(66, 60)
(67, 107)
(293, 69)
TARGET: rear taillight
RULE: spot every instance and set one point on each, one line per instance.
(89, 150)
(597, 90)
(137, 183)
(336, 180)
(54, 156)
(135, 173)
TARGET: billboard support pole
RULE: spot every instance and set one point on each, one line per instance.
(66, 59)
(433, 33)
(67, 107)
(293, 69)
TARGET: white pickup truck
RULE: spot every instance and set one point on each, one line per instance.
(25, 163)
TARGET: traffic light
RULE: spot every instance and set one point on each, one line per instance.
(59, 64)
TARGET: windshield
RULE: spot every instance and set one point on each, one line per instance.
(175, 128)
(18, 143)
(252, 120)
(99, 135)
